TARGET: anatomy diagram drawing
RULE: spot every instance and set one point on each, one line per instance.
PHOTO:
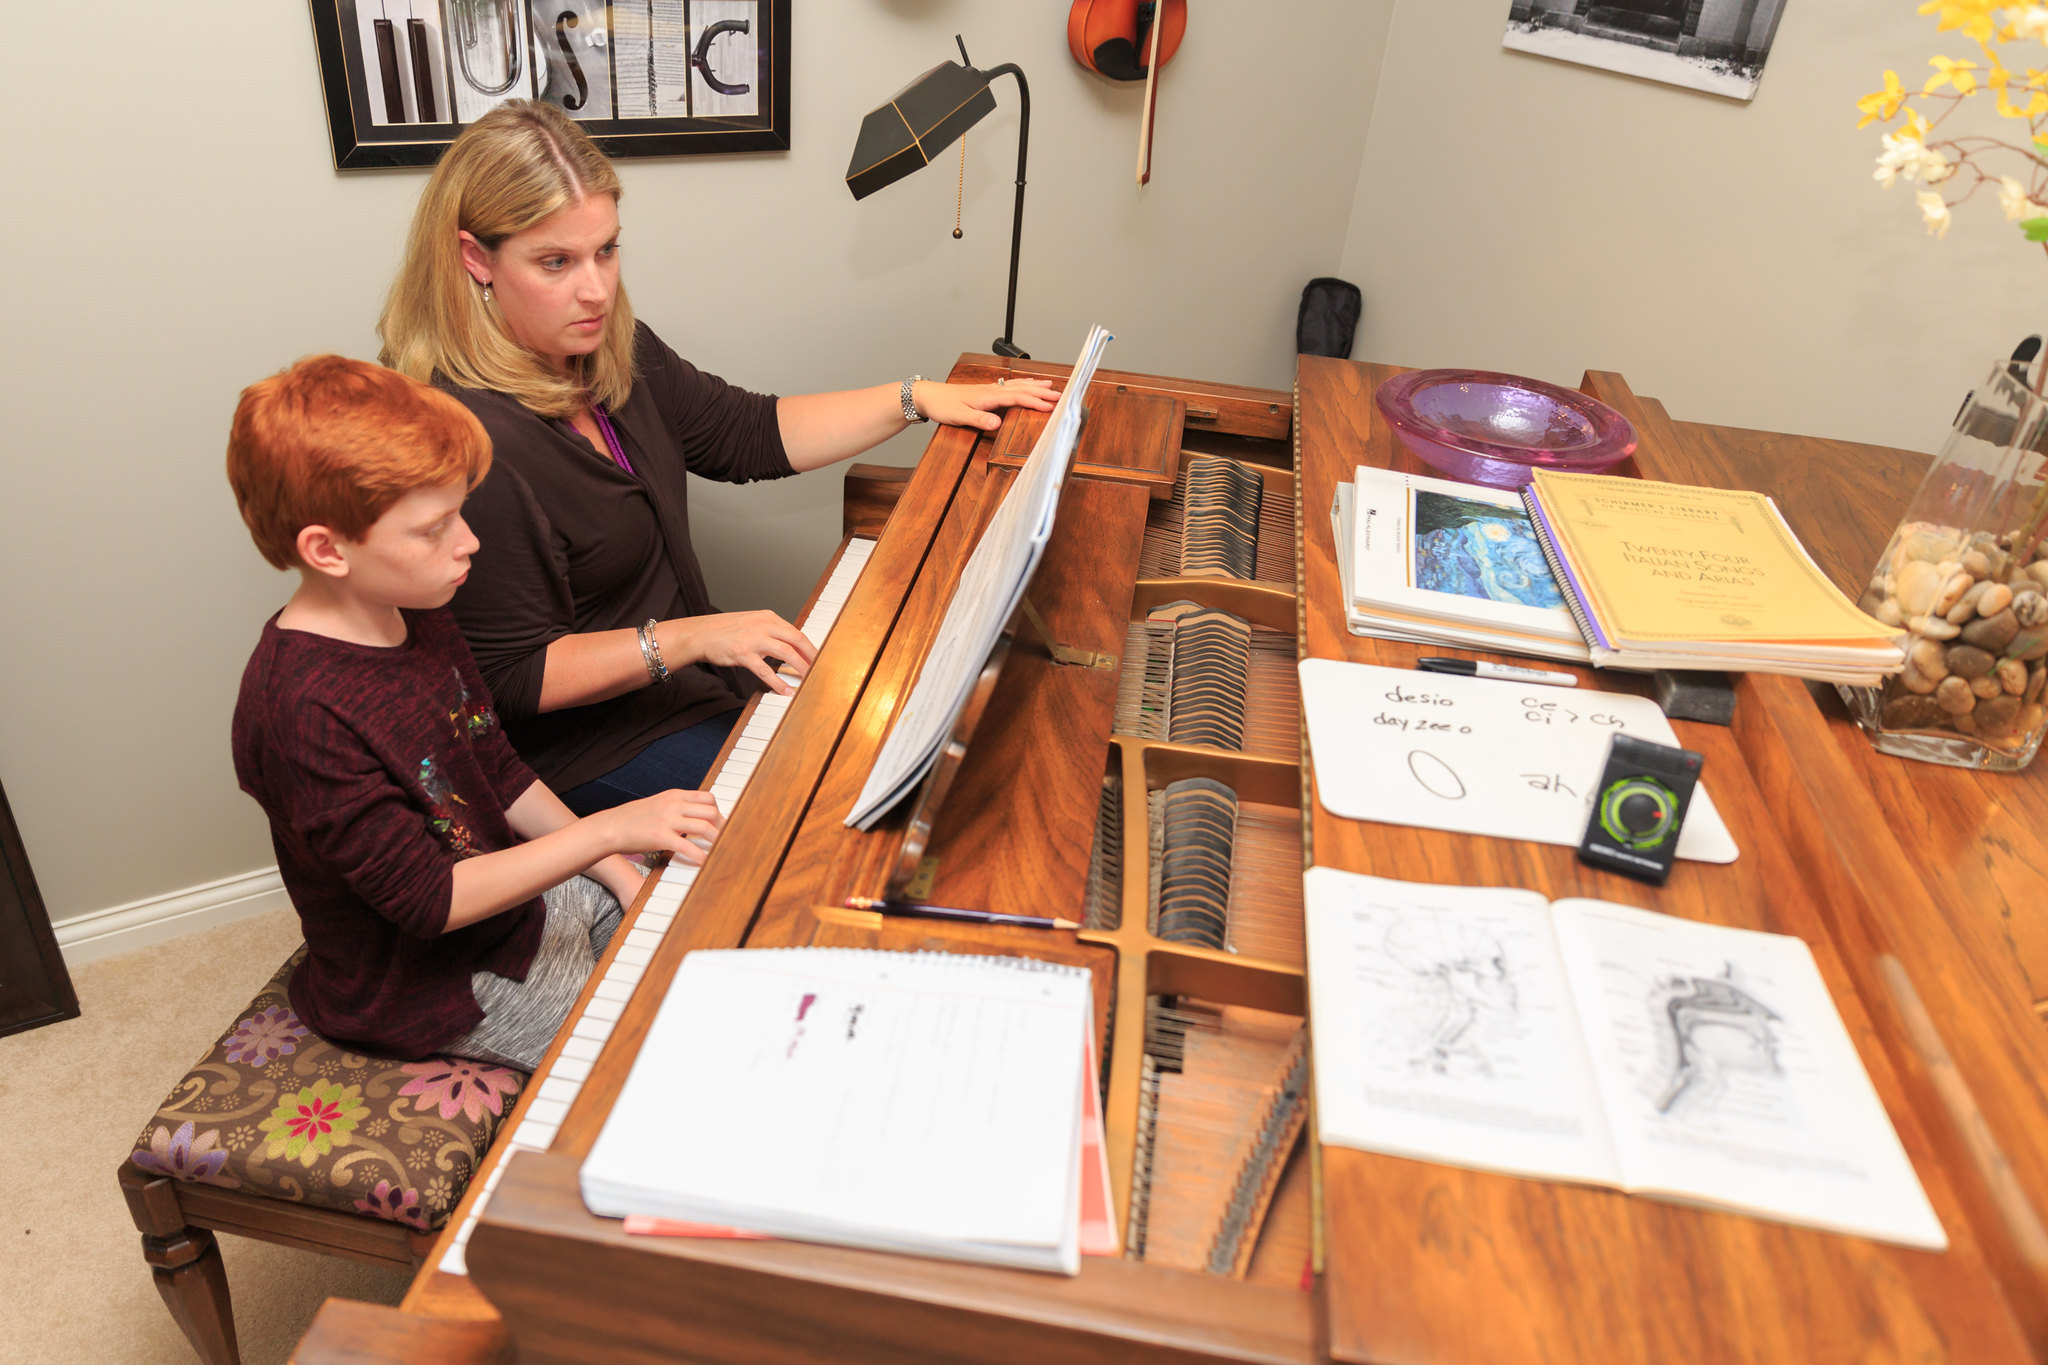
(1708, 1031)
(1458, 1000)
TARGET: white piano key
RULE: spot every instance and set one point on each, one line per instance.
(534, 1136)
(597, 1030)
(655, 918)
(612, 990)
(582, 1050)
(747, 745)
(557, 1088)
(628, 972)
(571, 1068)
(549, 1112)
(727, 793)
(604, 1009)
(638, 957)
(644, 938)
(452, 1261)
(491, 1179)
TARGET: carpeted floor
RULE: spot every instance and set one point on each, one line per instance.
(73, 1288)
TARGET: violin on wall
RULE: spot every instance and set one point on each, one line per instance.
(1129, 40)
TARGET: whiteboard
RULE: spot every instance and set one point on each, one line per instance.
(1478, 756)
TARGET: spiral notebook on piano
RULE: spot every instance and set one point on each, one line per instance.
(929, 1103)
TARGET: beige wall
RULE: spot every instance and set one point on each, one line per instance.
(1734, 260)
(175, 230)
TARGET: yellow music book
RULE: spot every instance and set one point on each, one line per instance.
(1666, 575)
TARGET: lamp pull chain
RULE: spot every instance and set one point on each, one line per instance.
(960, 194)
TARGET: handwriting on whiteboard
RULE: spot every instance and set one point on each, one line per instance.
(1475, 755)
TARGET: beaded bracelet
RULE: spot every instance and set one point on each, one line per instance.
(650, 652)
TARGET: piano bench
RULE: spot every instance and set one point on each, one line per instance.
(280, 1135)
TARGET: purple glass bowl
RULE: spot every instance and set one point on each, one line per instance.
(1498, 429)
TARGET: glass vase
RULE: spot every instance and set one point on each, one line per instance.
(1966, 577)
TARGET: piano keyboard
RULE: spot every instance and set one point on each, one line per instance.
(554, 1088)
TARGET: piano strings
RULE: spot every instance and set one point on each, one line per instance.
(1196, 675)
(1221, 1106)
(1225, 874)
(1200, 532)
(1103, 904)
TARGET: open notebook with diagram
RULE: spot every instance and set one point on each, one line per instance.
(1592, 1042)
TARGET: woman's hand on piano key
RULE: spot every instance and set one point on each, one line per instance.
(739, 639)
(980, 405)
(678, 822)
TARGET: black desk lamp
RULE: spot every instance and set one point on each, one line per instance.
(920, 122)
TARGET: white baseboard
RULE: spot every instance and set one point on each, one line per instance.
(124, 928)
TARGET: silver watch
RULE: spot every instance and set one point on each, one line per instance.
(910, 412)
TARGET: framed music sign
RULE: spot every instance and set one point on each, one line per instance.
(643, 77)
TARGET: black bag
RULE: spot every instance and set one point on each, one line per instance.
(1329, 317)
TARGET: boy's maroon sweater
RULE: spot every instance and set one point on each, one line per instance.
(379, 768)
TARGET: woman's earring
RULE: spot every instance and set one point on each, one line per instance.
(487, 291)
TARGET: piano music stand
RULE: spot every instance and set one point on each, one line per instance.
(931, 793)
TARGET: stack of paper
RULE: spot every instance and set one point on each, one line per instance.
(990, 587)
(1440, 563)
(918, 1102)
(1665, 575)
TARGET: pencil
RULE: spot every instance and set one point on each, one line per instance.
(920, 911)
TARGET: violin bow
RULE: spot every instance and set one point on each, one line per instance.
(1151, 95)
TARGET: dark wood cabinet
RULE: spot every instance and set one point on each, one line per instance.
(34, 987)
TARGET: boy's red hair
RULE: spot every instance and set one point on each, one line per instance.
(335, 442)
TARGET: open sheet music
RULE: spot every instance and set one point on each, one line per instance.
(1585, 1041)
(919, 1102)
(990, 588)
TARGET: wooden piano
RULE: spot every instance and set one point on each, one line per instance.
(1153, 688)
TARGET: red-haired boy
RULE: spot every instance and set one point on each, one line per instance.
(436, 878)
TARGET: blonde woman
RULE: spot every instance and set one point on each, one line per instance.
(585, 608)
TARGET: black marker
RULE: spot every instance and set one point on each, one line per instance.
(1505, 672)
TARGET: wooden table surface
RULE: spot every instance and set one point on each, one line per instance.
(1432, 1264)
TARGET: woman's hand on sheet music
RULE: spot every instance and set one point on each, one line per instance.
(679, 822)
(739, 639)
(981, 405)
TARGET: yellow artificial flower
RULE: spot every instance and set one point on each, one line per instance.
(1947, 70)
(1934, 211)
(2014, 203)
(1916, 126)
(2036, 104)
(1976, 18)
(2028, 21)
(1881, 106)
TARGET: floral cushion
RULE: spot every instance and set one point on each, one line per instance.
(276, 1110)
